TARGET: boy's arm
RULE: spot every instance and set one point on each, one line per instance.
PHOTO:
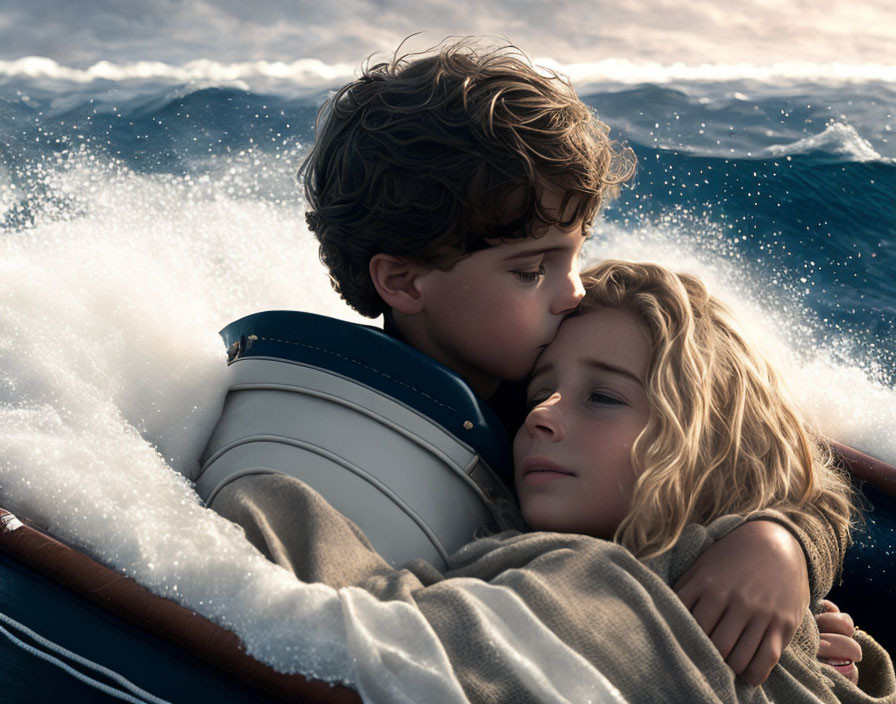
(749, 590)
(823, 547)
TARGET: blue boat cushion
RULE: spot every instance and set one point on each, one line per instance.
(370, 356)
(74, 630)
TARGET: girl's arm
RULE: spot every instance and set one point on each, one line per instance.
(837, 647)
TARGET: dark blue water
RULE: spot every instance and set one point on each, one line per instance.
(795, 185)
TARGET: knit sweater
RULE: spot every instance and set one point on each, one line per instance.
(619, 614)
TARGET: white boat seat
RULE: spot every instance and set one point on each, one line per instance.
(392, 439)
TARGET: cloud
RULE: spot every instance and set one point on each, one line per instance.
(177, 31)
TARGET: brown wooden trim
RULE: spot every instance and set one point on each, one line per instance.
(123, 597)
(868, 468)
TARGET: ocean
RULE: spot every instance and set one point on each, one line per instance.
(146, 204)
(783, 190)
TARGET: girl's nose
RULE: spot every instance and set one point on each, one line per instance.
(546, 419)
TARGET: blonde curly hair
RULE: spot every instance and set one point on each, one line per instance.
(723, 437)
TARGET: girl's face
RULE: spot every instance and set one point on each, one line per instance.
(572, 456)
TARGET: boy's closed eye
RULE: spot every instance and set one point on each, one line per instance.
(530, 276)
(531, 265)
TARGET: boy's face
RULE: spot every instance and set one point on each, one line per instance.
(492, 313)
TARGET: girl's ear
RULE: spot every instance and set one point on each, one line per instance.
(397, 281)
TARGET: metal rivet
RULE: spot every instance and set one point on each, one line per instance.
(468, 425)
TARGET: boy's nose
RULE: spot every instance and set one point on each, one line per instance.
(569, 296)
(545, 419)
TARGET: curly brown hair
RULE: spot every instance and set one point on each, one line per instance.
(419, 156)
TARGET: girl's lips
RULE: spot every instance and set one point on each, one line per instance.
(540, 469)
(533, 478)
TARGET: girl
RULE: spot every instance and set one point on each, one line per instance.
(649, 412)
(652, 423)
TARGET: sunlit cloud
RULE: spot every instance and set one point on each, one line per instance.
(757, 32)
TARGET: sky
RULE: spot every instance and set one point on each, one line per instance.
(79, 33)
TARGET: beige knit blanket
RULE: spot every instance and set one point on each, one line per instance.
(619, 614)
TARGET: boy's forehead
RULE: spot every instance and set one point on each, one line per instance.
(550, 198)
(555, 240)
(537, 246)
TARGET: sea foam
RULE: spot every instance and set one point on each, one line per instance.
(311, 75)
(111, 377)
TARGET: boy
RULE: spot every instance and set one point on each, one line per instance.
(452, 193)
(460, 173)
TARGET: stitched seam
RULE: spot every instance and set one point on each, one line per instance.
(360, 364)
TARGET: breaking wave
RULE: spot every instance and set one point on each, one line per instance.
(837, 138)
(314, 74)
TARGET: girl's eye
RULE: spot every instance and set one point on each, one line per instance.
(534, 401)
(530, 276)
(604, 399)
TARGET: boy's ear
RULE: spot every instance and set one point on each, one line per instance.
(397, 281)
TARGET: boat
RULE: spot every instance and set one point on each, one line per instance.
(71, 627)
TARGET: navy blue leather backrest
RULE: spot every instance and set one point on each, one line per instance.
(70, 621)
(371, 357)
(868, 588)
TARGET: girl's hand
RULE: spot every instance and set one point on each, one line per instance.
(749, 592)
(837, 647)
